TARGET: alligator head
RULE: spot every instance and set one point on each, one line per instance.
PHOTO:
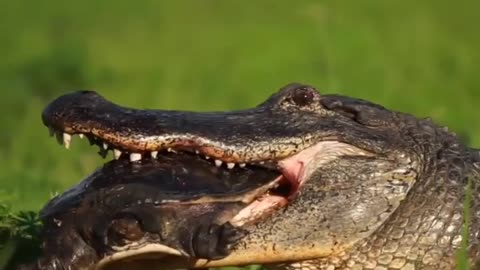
(370, 186)
(292, 128)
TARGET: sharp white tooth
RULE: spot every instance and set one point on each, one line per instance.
(105, 146)
(207, 157)
(117, 153)
(218, 163)
(135, 157)
(66, 140)
(242, 165)
(169, 149)
(81, 135)
(261, 162)
(154, 154)
(230, 165)
(197, 152)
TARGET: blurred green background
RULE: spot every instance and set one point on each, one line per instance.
(421, 57)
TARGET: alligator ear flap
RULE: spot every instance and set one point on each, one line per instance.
(361, 111)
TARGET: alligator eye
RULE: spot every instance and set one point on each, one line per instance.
(303, 96)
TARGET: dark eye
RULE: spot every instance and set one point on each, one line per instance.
(303, 96)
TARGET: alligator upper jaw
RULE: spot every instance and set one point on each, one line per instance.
(271, 131)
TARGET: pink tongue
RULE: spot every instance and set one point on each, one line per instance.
(292, 167)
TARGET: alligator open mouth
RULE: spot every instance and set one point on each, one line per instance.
(290, 169)
(283, 183)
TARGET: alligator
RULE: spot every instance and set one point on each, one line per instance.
(370, 188)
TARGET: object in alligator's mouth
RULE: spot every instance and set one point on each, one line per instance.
(179, 203)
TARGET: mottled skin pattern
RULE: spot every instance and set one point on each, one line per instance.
(401, 207)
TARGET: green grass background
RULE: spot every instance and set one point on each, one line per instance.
(421, 57)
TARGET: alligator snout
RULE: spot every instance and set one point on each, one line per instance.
(73, 107)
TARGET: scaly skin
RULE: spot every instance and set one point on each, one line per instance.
(399, 207)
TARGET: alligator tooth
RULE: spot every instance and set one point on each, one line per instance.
(261, 162)
(117, 153)
(218, 163)
(197, 152)
(154, 154)
(230, 165)
(135, 157)
(81, 135)
(105, 146)
(207, 157)
(242, 165)
(66, 140)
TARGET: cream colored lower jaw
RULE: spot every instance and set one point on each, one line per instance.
(268, 254)
(156, 250)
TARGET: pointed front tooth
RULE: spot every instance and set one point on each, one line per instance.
(261, 162)
(242, 165)
(66, 140)
(105, 146)
(81, 135)
(207, 157)
(230, 165)
(117, 153)
(197, 152)
(154, 154)
(218, 163)
(135, 157)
